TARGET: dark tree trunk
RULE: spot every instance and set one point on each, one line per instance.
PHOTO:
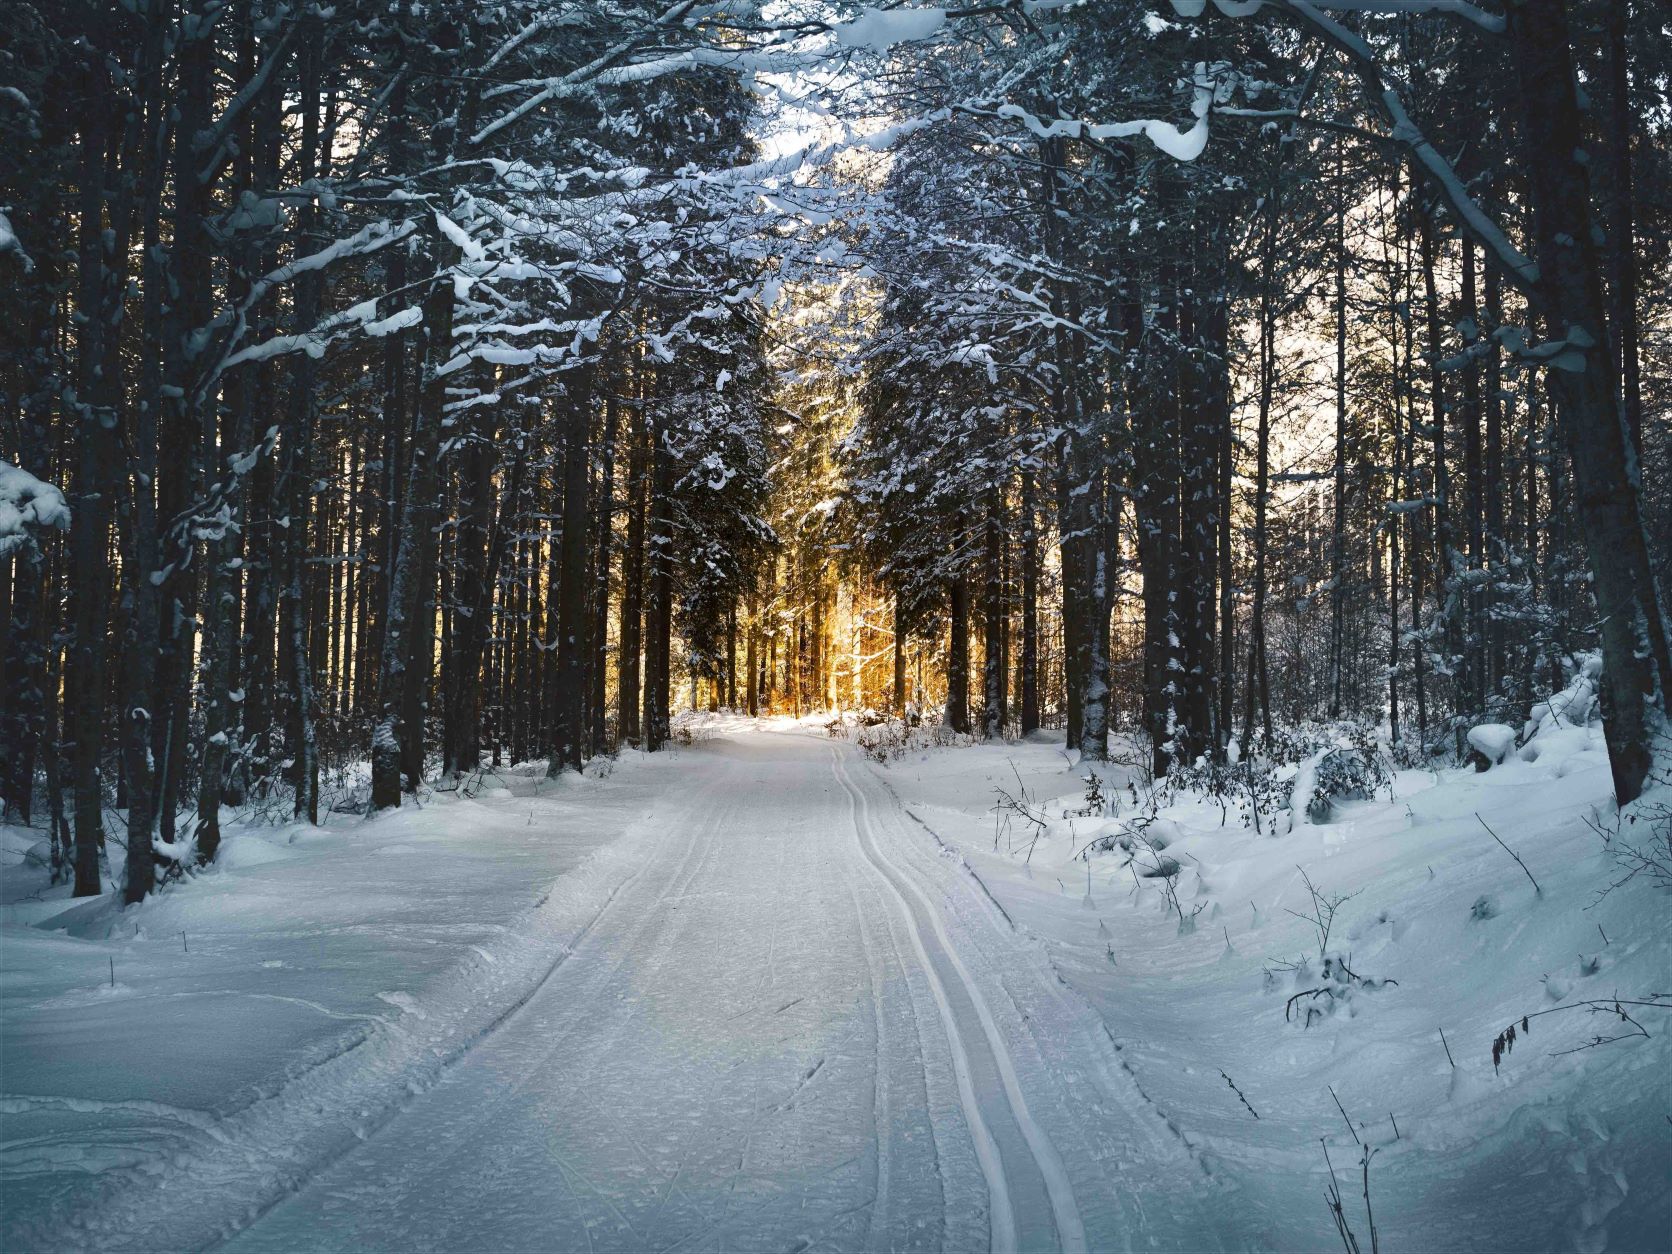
(597, 687)
(631, 632)
(1029, 682)
(486, 527)
(398, 691)
(993, 615)
(1622, 224)
(659, 601)
(297, 474)
(220, 578)
(98, 300)
(897, 696)
(569, 716)
(751, 661)
(1258, 682)
(1447, 585)
(1160, 415)
(472, 599)
(1474, 502)
(1338, 528)
(1637, 667)
(1496, 485)
(1193, 602)
(160, 362)
(958, 656)
(1225, 468)
(731, 656)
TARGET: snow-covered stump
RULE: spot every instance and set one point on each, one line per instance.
(1491, 745)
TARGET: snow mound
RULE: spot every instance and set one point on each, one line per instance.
(245, 850)
(1493, 741)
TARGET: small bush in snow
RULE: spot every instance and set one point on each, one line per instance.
(882, 742)
(1336, 983)
(1341, 761)
(1095, 803)
(1639, 845)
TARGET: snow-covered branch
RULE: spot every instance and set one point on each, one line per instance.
(27, 505)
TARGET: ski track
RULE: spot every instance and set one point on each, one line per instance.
(788, 1028)
(1015, 1174)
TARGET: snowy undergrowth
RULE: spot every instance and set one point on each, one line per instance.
(172, 1068)
(1199, 942)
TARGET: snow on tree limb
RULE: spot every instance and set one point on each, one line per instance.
(881, 29)
(1181, 145)
(9, 243)
(1518, 268)
(1493, 23)
(27, 504)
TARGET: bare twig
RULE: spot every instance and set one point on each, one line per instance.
(1504, 1042)
(1239, 1093)
(1332, 1195)
(1537, 891)
(1343, 1111)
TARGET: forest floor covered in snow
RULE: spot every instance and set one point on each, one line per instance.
(240, 1025)
(691, 970)
(1206, 992)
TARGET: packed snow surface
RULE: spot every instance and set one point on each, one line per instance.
(763, 993)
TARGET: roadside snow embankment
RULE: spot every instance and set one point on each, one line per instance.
(1252, 980)
(172, 1068)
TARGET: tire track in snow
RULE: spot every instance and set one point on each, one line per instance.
(977, 1046)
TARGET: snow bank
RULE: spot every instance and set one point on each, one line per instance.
(1221, 1000)
(1493, 741)
(173, 1067)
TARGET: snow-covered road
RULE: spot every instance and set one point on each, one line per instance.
(760, 993)
(772, 1037)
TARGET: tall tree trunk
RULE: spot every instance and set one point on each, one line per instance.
(993, 615)
(99, 301)
(1637, 666)
(1497, 486)
(731, 655)
(224, 464)
(897, 696)
(160, 363)
(483, 537)
(630, 635)
(1159, 472)
(1029, 683)
(569, 716)
(1622, 238)
(1447, 583)
(598, 688)
(24, 695)
(1193, 603)
(659, 601)
(396, 704)
(1474, 495)
(958, 656)
(751, 661)
(1258, 681)
(297, 473)
(1073, 492)
(1225, 470)
(1338, 529)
